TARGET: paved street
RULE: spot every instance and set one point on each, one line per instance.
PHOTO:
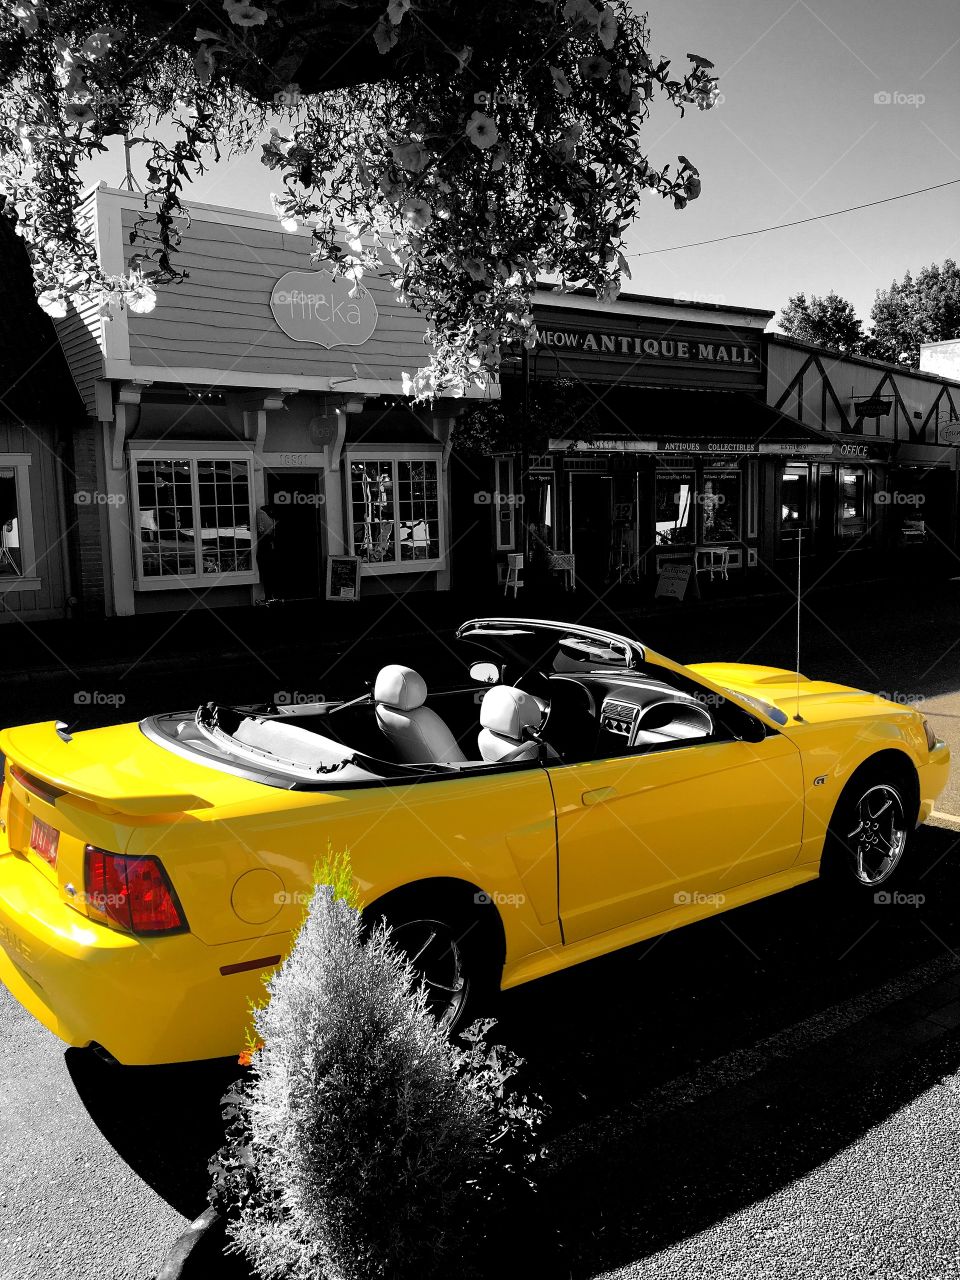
(770, 1093)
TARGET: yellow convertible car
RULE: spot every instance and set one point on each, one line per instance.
(574, 793)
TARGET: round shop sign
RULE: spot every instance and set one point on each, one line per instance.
(317, 306)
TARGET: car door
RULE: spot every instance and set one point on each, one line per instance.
(639, 834)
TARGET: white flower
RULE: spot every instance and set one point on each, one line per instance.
(481, 130)
(410, 156)
(78, 113)
(385, 36)
(141, 299)
(416, 213)
(97, 44)
(608, 27)
(595, 67)
(581, 11)
(560, 82)
(204, 64)
(396, 9)
(242, 14)
(53, 303)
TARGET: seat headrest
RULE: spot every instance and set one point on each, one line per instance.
(509, 711)
(401, 688)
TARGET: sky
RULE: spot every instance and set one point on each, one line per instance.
(825, 104)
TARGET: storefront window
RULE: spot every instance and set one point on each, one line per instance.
(193, 517)
(11, 552)
(721, 506)
(795, 490)
(674, 506)
(506, 506)
(851, 502)
(395, 509)
(539, 513)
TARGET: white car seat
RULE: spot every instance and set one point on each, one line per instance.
(505, 713)
(417, 734)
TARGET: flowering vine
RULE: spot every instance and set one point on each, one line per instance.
(463, 169)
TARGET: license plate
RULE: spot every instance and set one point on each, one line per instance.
(44, 840)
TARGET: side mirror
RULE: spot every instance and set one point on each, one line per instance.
(485, 673)
(745, 726)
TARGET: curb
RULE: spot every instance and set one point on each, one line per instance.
(197, 1254)
(945, 821)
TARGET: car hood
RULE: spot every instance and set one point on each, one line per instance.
(817, 701)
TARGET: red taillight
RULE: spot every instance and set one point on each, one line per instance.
(131, 893)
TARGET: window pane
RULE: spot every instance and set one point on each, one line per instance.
(165, 517)
(852, 501)
(371, 494)
(674, 500)
(225, 520)
(418, 511)
(11, 555)
(721, 506)
(794, 498)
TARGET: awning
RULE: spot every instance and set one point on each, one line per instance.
(665, 422)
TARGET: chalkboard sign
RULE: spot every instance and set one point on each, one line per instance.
(674, 580)
(343, 577)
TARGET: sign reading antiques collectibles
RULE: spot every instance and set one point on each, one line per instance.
(316, 306)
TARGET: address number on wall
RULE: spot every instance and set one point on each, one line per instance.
(293, 460)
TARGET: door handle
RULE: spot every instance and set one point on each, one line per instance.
(599, 795)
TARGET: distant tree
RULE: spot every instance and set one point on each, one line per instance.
(826, 322)
(913, 311)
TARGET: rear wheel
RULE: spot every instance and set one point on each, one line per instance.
(871, 825)
(443, 947)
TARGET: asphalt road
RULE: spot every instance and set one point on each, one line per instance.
(771, 1093)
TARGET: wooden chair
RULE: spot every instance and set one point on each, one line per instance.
(513, 582)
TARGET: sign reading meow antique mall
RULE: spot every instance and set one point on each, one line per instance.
(317, 306)
(636, 346)
(638, 350)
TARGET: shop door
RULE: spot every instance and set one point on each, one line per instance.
(290, 558)
(591, 526)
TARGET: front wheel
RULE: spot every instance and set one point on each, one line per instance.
(869, 830)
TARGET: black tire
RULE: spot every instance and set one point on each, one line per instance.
(870, 830)
(445, 945)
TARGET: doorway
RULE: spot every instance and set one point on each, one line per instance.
(591, 526)
(291, 565)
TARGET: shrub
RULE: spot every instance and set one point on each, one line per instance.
(364, 1142)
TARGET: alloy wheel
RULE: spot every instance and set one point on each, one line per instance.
(878, 840)
(436, 954)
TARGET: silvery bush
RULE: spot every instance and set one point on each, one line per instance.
(365, 1142)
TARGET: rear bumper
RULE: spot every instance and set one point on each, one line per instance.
(146, 1001)
(933, 778)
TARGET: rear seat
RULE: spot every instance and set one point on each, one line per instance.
(291, 743)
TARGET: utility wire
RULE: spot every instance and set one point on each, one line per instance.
(817, 217)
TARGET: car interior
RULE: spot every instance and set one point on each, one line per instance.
(546, 718)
